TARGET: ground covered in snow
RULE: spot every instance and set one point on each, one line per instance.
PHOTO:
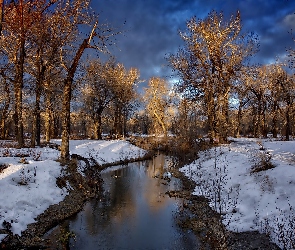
(251, 183)
(28, 176)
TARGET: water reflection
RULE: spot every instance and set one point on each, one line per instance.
(135, 213)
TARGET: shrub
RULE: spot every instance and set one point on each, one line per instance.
(263, 162)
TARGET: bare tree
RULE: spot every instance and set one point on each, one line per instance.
(157, 102)
(5, 104)
(209, 63)
(97, 92)
(124, 96)
(77, 13)
(20, 17)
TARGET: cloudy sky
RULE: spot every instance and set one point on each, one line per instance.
(151, 29)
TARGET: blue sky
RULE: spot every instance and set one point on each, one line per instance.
(151, 29)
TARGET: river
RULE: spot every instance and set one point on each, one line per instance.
(134, 212)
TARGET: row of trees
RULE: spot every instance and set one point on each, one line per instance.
(41, 47)
(218, 92)
(110, 90)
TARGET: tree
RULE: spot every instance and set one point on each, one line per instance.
(20, 17)
(17, 27)
(5, 103)
(209, 63)
(277, 80)
(157, 102)
(258, 86)
(124, 96)
(42, 56)
(97, 91)
(78, 12)
(286, 86)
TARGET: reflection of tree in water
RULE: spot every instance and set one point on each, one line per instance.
(156, 166)
(127, 191)
(134, 210)
(117, 203)
(157, 187)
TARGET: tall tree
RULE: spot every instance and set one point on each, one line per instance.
(20, 16)
(124, 95)
(97, 91)
(42, 55)
(78, 12)
(209, 63)
(157, 102)
(258, 89)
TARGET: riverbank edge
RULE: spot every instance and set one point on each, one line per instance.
(82, 189)
(207, 223)
(204, 222)
(210, 228)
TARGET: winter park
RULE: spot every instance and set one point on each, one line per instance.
(147, 125)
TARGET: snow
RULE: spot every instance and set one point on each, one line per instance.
(28, 183)
(104, 151)
(262, 200)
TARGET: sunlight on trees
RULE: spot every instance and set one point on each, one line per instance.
(209, 63)
(50, 90)
(157, 101)
(108, 86)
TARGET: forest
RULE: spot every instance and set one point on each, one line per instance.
(54, 83)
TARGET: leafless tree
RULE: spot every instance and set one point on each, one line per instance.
(209, 63)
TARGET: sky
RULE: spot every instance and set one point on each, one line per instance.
(151, 28)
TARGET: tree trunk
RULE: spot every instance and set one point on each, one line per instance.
(275, 121)
(117, 121)
(254, 122)
(56, 127)
(18, 85)
(39, 82)
(66, 104)
(33, 133)
(210, 114)
(287, 127)
(18, 111)
(97, 127)
(48, 115)
(162, 124)
(237, 133)
(264, 123)
(66, 118)
(225, 122)
(5, 111)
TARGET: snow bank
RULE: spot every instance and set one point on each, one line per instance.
(261, 201)
(27, 189)
(28, 177)
(105, 151)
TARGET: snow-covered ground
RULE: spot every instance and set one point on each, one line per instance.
(264, 200)
(28, 176)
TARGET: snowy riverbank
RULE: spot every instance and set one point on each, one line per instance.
(28, 177)
(247, 199)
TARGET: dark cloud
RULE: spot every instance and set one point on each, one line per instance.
(151, 29)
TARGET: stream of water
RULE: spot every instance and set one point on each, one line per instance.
(135, 213)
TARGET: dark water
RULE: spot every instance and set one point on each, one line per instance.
(135, 212)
